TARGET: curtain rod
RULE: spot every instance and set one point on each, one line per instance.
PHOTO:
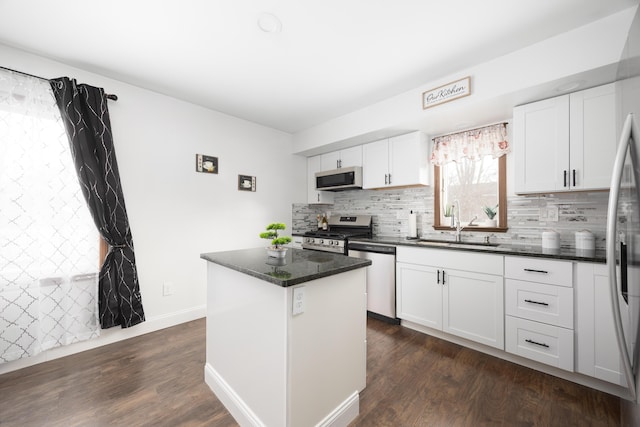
(108, 95)
(469, 130)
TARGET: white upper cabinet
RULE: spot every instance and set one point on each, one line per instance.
(375, 164)
(399, 161)
(541, 145)
(566, 143)
(592, 137)
(313, 195)
(341, 158)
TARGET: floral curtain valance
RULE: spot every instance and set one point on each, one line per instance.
(471, 144)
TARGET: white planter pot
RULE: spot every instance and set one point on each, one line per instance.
(276, 252)
(490, 223)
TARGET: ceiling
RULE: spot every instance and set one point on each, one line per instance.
(330, 58)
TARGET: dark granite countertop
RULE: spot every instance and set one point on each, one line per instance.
(298, 266)
(598, 256)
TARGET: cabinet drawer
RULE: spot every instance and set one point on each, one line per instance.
(539, 302)
(543, 343)
(539, 270)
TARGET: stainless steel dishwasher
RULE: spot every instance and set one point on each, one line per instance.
(381, 278)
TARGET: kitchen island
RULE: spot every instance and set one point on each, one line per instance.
(286, 338)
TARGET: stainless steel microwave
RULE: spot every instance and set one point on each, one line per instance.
(339, 179)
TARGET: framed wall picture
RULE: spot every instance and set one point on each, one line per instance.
(246, 183)
(206, 164)
(446, 93)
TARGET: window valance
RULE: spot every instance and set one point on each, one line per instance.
(471, 144)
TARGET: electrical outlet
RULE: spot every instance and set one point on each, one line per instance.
(298, 300)
(167, 289)
(548, 213)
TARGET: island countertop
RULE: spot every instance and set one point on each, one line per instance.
(298, 266)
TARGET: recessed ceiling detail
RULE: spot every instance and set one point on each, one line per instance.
(269, 23)
(288, 64)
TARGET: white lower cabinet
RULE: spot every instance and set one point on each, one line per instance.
(539, 308)
(554, 312)
(435, 290)
(597, 349)
(418, 294)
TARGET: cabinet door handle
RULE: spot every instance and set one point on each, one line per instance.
(565, 178)
(535, 302)
(438, 277)
(318, 197)
(443, 277)
(574, 177)
(389, 179)
(537, 343)
(386, 179)
(531, 270)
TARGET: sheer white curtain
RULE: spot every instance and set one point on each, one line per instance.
(48, 242)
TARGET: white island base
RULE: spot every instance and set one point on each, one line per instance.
(272, 368)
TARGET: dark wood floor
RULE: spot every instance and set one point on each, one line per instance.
(413, 380)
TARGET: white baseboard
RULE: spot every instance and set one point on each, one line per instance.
(575, 377)
(109, 336)
(341, 416)
(346, 412)
(230, 399)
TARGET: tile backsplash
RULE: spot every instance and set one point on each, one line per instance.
(390, 209)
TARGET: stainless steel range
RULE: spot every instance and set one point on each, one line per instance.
(340, 229)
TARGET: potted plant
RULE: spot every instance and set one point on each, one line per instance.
(448, 213)
(491, 213)
(276, 250)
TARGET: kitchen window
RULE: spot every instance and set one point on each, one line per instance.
(470, 179)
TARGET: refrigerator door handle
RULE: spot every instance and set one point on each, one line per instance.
(624, 284)
(629, 130)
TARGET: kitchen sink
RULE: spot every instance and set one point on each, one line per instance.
(434, 242)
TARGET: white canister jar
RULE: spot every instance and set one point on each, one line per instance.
(585, 240)
(550, 239)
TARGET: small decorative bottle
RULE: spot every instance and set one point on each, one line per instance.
(325, 223)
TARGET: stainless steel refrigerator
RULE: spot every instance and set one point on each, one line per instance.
(623, 224)
(623, 250)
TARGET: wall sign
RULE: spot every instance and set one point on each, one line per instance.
(246, 183)
(206, 164)
(446, 93)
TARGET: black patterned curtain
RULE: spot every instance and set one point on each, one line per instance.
(86, 119)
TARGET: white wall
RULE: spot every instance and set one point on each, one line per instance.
(175, 213)
(497, 86)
